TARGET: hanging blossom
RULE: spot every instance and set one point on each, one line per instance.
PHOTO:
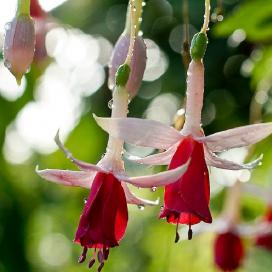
(19, 41)
(104, 218)
(187, 200)
(228, 245)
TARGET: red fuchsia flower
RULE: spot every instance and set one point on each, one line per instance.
(264, 239)
(19, 44)
(187, 200)
(104, 218)
(228, 251)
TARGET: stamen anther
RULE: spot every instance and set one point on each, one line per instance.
(82, 257)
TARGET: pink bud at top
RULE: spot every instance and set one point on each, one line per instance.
(138, 62)
(19, 45)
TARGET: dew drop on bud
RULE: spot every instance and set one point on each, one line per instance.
(7, 26)
(153, 189)
(141, 207)
(110, 104)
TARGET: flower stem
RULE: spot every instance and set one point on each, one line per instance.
(133, 23)
(205, 26)
(23, 7)
(120, 100)
(232, 204)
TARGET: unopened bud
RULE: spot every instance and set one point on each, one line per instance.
(198, 46)
(137, 65)
(122, 75)
(19, 45)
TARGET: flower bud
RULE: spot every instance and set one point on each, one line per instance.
(198, 46)
(19, 45)
(137, 66)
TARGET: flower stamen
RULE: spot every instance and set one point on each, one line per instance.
(82, 257)
(177, 234)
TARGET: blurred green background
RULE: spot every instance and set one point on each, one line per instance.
(38, 219)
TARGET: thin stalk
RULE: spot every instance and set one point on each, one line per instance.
(135, 18)
(120, 100)
(186, 43)
(205, 26)
(23, 7)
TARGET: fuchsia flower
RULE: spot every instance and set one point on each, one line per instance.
(228, 251)
(264, 240)
(104, 218)
(187, 200)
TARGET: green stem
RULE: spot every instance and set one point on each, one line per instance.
(205, 26)
(23, 7)
(138, 4)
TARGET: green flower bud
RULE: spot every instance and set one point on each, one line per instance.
(198, 46)
(122, 75)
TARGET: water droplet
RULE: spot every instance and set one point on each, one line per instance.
(141, 207)
(103, 155)
(161, 208)
(140, 19)
(153, 189)
(110, 104)
(7, 26)
(85, 200)
(7, 64)
(140, 33)
(144, 4)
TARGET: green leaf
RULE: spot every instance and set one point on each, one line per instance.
(254, 17)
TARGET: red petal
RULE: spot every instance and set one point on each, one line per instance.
(187, 200)
(228, 251)
(36, 10)
(104, 218)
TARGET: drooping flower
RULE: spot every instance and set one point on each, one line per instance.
(264, 239)
(228, 251)
(19, 44)
(187, 201)
(104, 218)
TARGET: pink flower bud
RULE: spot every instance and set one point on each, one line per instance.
(19, 45)
(138, 62)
